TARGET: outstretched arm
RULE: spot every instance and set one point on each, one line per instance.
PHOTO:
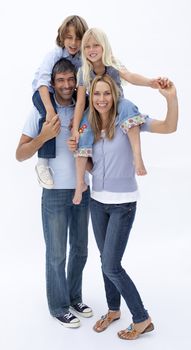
(169, 124)
(137, 79)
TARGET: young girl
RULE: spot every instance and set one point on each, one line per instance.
(68, 42)
(97, 59)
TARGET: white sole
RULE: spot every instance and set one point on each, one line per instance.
(69, 325)
(82, 314)
(48, 187)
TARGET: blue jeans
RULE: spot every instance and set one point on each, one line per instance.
(112, 224)
(61, 217)
(48, 149)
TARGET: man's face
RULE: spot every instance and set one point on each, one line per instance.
(64, 86)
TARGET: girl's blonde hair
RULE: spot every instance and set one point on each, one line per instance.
(107, 58)
(79, 24)
(94, 116)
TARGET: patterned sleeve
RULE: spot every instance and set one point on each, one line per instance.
(129, 115)
(86, 138)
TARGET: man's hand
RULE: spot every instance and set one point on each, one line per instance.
(51, 129)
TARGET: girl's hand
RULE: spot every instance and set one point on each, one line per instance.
(168, 91)
(159, 83)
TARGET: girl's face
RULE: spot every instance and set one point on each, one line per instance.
(72, 43)
(102, 98)
(93, 51)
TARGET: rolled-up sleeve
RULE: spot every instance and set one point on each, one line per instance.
(129, 115)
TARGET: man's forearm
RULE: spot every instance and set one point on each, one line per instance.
(26, 150)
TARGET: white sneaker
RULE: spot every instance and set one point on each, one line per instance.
(44, 174)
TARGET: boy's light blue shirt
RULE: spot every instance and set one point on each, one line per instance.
(43, 74)
(63, 165)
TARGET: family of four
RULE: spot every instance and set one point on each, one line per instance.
(104, 137)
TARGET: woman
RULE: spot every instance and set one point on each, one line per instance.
(114, 194)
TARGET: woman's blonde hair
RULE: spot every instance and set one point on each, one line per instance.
(107, 58)
(79, 24)
(94, 116)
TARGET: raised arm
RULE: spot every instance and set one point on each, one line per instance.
(137, 79)
(169, 124)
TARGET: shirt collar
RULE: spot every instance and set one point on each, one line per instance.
(61, 106)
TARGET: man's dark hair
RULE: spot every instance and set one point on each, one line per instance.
(62, 66)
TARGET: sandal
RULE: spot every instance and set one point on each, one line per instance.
(131, 333)
(106, 320)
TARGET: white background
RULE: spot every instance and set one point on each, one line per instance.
(151, 38)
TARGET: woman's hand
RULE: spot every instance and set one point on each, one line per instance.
(72, 144)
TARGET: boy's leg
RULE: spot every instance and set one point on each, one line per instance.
(48, 150)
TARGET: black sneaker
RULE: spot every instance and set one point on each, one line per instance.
(69, 320)
(82, 309)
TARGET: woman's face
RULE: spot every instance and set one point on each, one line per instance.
(92, 50)
(102, 98)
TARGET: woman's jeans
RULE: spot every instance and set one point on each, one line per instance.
(112, 224)
(48, 149)
(61, 218)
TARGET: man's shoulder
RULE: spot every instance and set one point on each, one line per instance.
(31, 125)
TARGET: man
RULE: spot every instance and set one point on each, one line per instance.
(59, 214)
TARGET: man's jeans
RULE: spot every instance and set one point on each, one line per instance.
(112, 224)
(61, 217)
(48, 149)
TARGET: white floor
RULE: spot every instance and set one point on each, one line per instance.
(157, 258)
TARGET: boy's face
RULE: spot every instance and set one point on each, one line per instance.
(64, 86)
(72, 43)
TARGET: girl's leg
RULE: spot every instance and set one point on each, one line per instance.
(134, 138)
(81, 186)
